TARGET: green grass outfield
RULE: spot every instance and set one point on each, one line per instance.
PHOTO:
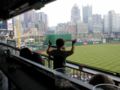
(104, 56)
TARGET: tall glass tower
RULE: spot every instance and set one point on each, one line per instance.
(75, 14)
(87, 13)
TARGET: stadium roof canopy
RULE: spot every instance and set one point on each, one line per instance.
(11, 8)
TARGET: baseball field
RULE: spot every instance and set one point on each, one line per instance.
(104, 56)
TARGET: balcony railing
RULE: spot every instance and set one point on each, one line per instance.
(80, 73)
(83, 72)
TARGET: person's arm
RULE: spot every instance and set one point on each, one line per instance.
(48, 50)
(73, 47)
(68, 53)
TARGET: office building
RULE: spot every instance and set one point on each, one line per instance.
(75, 14)
(87, 13)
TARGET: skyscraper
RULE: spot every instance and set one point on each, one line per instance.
(97, 23)
(75, 14)
(42, 21)
(87, 13)
(29, 19)
(112, 22)
(106, 24)
(96, 18)
(117, 23)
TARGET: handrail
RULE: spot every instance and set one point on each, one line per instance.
(85, 68)
(79, 65)
(91, 70)
(94, 68)
(15, 48)
(49, 72)
(52, 73)
(21, 59)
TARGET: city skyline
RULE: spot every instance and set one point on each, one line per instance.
(90, 23)
(59, 11)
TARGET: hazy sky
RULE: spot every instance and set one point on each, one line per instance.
(60, 10)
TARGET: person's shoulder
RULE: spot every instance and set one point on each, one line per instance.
(34, 53)
(53, 51)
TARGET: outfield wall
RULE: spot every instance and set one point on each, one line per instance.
(84, 43)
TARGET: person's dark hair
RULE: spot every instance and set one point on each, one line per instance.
(26, 53)
(59, 42)
(100, 79)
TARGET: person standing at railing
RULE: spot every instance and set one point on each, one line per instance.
(60, 54)
(27, 53)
